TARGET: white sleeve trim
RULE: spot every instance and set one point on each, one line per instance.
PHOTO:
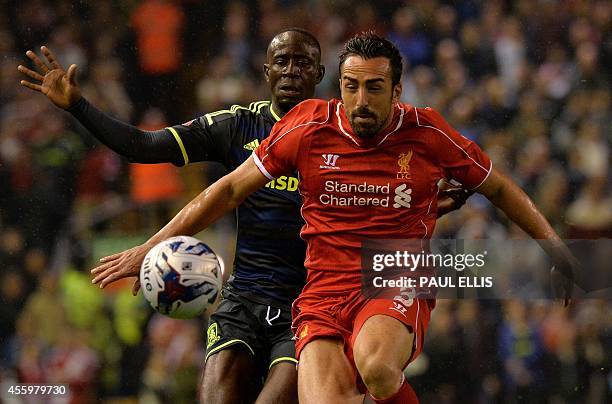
(261, 167)
(485, 178)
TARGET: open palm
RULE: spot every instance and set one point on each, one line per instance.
(51, 79)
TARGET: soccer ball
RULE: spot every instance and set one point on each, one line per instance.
(181, 277)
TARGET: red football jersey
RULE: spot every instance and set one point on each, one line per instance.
(354, 189)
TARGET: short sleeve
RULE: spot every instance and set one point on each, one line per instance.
(207, 138)
(278, 153)
(461, 159)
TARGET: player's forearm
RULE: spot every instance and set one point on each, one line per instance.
(135, 144)
(214, 202)
(519, 208)
(510, 198)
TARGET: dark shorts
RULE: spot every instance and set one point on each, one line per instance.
(264, 331)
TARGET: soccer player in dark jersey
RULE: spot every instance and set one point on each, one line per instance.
(249, 335)
(251, 328)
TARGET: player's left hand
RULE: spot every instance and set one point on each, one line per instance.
(563, 274)
(562, 286)
(452, 199)
(121, 265)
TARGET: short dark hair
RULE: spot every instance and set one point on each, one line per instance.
(310, 38)
(369, 45)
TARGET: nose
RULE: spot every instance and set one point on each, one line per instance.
(291, 68)
(362, 98)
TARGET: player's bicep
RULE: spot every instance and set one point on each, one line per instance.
(492, 185)
(200, 140)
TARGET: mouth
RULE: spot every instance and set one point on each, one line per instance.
(363, 118)
(290, 90)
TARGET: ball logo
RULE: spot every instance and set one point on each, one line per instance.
(402, 196)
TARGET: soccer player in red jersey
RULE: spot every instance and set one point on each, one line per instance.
(369, 167)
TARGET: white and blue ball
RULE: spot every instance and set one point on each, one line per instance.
(181, 277)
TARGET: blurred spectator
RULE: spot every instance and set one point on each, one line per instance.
(236, 43)
(158, 27)
(478, 54)
(73, 362)
(218, 88)
(521, 351)
(12, 296)
(154, 186)
(173, 344)
(413, 45)
(590, 216)
(510, 52)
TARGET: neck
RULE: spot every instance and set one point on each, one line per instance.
(277, 111)
(390, 117)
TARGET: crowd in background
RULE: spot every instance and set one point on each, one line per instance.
(528, 80)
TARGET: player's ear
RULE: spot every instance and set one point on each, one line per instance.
(266, 69)
(320, 73)
(397, 92)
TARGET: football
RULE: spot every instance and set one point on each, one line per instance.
(181, 277)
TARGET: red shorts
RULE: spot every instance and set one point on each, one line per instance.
(332, 305)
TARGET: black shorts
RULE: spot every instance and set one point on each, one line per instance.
(264, 331)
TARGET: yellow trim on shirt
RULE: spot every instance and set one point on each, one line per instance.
(180, 143)
(274, 114)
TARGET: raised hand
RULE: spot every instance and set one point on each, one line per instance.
(51, 79)
(121, 265)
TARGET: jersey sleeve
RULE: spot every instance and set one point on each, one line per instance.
(207, 138)
(461, 159)
(278, 154)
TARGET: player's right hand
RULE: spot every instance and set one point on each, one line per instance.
(121, 265)
(51, 79)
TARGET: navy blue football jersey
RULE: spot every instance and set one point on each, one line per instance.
(269, 263)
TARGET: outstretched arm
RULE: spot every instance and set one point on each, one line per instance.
(510, 198)
(215, 201)
(61, 88)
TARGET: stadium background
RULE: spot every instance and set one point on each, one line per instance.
(528, 80)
